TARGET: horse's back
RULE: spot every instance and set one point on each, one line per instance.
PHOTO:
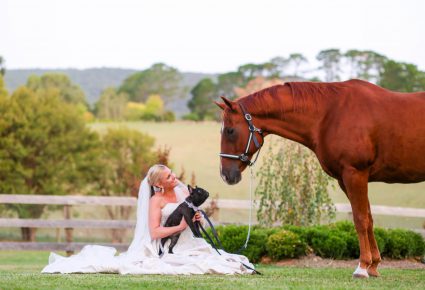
(386, 128)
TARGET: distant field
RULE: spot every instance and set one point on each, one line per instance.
(196, 146)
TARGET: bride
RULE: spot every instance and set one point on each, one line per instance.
(159, 195)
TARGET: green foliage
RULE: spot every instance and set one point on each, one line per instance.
(3, 91)
(381, 237)
(366, 65)
(330, 63)
(111, 105)
(402, 77)
(203, 95)
(2, 68)
(154, 108)
(191, 117)
(159, 79)
(233, 238)
(227, 82)
(285, 244)
(126, 156)
(402, 244)
(168, 116)
(45, 148)
(292, 187)
(59, 84)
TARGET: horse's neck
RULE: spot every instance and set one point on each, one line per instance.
(288, 119)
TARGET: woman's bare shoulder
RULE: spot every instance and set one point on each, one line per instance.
(156, 201)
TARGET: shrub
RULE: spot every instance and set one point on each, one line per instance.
(169, 116)
(418, 244)
(233, 238)
(403, 244)
(191, 117)
(285, 244)
(381, 237)
(348, 232)
(292, 187)
(327, 242)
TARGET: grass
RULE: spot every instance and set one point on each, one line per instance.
(21, 270)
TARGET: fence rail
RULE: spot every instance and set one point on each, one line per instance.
(69, 224)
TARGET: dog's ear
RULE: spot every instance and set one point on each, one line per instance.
(189, 188)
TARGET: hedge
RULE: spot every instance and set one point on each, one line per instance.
(337, 241)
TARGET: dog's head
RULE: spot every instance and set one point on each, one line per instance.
(197, 195)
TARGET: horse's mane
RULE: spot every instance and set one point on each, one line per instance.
(306, 95)
(256, 102)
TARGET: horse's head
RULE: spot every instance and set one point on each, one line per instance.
(239, 140)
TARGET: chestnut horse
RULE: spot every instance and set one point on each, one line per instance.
(359, 132)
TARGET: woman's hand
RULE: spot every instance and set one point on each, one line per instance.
(197, 217)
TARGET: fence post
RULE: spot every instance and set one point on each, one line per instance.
(68, 231)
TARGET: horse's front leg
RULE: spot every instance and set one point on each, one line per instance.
(355, 182)
(376, 256)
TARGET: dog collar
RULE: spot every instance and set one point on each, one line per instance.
(192, 206)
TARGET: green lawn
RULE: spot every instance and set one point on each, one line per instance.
(21, 270)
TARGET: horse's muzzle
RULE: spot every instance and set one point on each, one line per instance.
(232, 176)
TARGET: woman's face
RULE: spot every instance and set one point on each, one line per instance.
(168, 179)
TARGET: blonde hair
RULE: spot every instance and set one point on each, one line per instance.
(154, 174)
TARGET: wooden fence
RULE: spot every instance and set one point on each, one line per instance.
(70, 224)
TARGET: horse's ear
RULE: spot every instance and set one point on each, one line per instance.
(230, 104)
(221, 105)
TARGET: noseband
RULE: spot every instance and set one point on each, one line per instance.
(252, 129)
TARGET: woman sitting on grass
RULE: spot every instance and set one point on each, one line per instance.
(159, 195)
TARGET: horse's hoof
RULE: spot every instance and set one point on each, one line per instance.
(373, 273)
(360, 273)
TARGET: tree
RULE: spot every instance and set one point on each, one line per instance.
(330, 59)
(126, 157)
(280, 66)
(227, 82)
(2, 68)
(402, 77)
(45, 148)
(154, 108)
(366, 65)
(297, 59)
(203, 95)
(111, 105)
(292, 187)
(59, 84)
(3, 91)
(159, 79)
(255, 85)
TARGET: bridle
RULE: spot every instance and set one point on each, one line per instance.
(252, 129)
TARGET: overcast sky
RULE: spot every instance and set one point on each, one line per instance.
(203, 35)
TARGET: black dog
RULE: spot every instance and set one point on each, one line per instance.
(197, 197)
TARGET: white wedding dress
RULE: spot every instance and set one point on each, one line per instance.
(191, 255)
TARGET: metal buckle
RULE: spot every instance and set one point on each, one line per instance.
(248, 117)
(243, 157)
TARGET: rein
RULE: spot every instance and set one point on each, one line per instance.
(219, 245)
(243, 157)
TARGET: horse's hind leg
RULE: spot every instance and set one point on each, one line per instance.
(355, 183)
(376, 256)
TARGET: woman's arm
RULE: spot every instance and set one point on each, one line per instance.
(156, 230)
